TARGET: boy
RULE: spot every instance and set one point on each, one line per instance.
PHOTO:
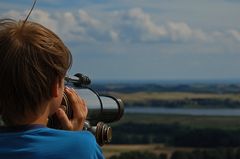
(33, 64)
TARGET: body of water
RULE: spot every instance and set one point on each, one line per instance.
(184, 111)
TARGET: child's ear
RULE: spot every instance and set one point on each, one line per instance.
(55, 89)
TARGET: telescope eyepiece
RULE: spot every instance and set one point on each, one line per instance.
(83, 80)
(78, 80)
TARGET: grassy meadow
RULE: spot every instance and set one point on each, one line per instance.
(110, 150)
(143, 96)
(222, 122)
(180, 99)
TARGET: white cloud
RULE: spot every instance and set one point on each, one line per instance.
(114, 35)
(87, 19)
(45, 19)
(13, 14)
(235, 34)
(69, 27)
(144, 20)
(180, 31)
(135, 25)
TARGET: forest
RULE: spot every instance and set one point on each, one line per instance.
(184, 137)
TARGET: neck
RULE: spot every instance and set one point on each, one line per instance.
(43, 118)
(40, 119)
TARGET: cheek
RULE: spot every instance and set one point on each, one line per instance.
(59, 100)
(56, 104)
(60, 94)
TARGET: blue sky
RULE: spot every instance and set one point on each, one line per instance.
(143, 39)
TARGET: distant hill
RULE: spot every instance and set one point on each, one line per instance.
(151, 87)
(175, 95)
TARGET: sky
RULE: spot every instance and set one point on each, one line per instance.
(143, 39)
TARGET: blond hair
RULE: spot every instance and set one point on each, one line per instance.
(32, 58)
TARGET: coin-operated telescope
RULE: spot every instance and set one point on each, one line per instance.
(102, 109)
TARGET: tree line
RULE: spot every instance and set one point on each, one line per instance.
(184, 103)
(224, 153)
(175, 135)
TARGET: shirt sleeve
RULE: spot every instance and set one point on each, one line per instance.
(92, 149)
(98, 152)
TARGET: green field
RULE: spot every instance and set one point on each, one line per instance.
(222, 122)
(110, 150)
(180, 99)
(142, 96)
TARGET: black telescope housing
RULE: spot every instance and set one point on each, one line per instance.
(102, 109)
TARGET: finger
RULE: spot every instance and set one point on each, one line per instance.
(77, 103)
(65, 122)
(83, 109)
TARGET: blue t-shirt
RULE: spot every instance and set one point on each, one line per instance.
(38, 142)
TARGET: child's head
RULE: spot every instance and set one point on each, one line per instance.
(32, 59)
